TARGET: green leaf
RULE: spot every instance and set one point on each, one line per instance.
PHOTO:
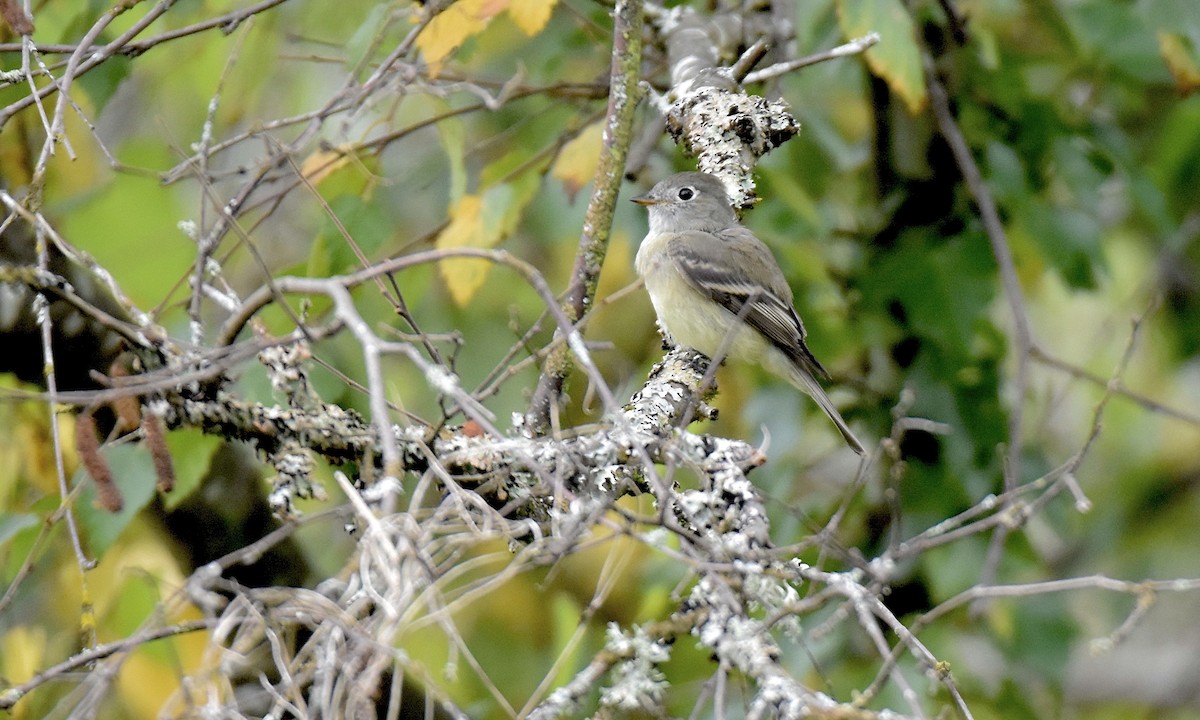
(1006, 174)
(792, 205)
(341, 171)
(897, 57)
(363, 39)
(366, 223)
(939, 292)
(1118, 34)
(506, 165)
(1080, 170)
(1044, 635)
(88, 12)
(13, 523)
(1068, 238)
(454, 142)
(320, 257)
(504, 205)
(1172, 162)
(943, 290)
(1152, 204)
(191, 454)
(948, 570)
(100, 221)
(565, 615)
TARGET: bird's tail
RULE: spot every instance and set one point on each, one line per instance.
(809, 385)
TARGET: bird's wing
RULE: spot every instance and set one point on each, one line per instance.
(717, 264)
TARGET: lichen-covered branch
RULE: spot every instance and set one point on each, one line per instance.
(707, 112)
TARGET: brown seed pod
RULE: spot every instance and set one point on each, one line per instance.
(87, 443)
(152, 435)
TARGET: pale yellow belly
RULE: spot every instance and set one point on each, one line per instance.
(696, 321)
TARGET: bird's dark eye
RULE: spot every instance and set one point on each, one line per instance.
(686, 193)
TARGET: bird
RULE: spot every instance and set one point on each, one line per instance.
(717, 289)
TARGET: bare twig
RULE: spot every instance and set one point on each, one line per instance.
(42, 311)
(1116, 386)
(10, 696)
(854, 47)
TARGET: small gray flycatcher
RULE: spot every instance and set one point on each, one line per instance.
(717, 289)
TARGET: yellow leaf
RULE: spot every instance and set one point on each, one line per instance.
(576, 164)
(897, 57)
(1180, 61)
(451, 28)
(531, 15)
(24, 652)
(464, 276)
(323, 163)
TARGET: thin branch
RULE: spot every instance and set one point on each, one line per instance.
(1090, 582)
(10, 696)
(226, 23)
(1116, 386)
(749, 59)
(623, 98)
(41, 308)
(854, 47)
(77, 66)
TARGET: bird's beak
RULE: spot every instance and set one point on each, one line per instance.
(645, 200)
